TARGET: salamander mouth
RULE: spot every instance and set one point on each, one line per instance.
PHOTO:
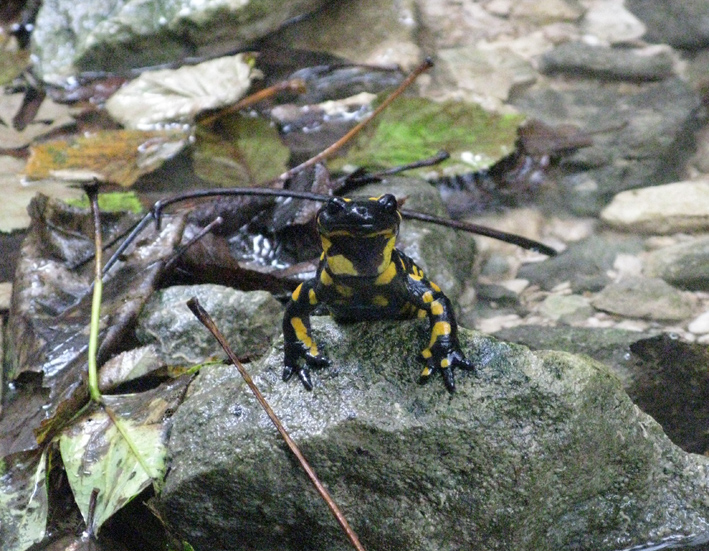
(360, 232)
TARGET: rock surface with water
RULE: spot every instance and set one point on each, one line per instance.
(73, 36)
(645, 136)
(250, 321)
(539, 451)
(674, 207)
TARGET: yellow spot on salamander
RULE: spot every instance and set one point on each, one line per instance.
(326, 243)
(325, 278)
(426, 372)
(301, 332)
(426, 353)
(427, 297)
(387, 275)
(344, 290)
(341, 265)
(311, 297)
(436, 308)
(439, 329)
(445, 363)
(435, 287)
(296, 293)
(380, 300)
(421, 314)
(386, 255)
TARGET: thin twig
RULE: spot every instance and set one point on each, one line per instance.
(327, 152)
(204, 231)
(207, 321)
(295, 85)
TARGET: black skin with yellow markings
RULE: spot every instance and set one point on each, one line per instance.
(363, 277)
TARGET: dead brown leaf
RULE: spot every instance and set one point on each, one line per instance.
(117, 156)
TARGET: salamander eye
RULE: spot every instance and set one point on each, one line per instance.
(334, 206)
(388, 201)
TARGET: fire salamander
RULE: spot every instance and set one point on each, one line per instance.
(363, 277)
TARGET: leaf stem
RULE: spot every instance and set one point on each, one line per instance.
(92, 192)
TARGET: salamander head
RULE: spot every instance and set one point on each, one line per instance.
(358, 235)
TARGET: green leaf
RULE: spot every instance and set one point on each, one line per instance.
(120, 458)
(412, 129)
(244, 151)
(23, 500)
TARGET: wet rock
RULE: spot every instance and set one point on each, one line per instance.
(485, 76)
(684, 265)
(610, 346)
(566, 308)
(673, 386)
(249, 321)
(646, 139)
(671, 208)
(581, 59)
(546, 11)
(700, 324)
(611, 23)
(72, 36)
(372, 32)
(584, 264)
(647, 298)
(540, 451)
(680, 23)
(498, 294)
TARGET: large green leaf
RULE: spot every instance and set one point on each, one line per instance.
(412, 129)
(122, 453)
(239, 151)
(23, 500)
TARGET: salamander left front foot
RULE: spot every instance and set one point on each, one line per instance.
(444, 361)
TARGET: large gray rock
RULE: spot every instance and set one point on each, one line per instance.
(540, 451)
(680, 23)
(684, 265)
(670, 208)
(249, 321)
(646, 136)
(646, 298)
(72, 36)
(578, 58)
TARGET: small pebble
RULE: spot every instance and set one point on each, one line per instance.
(700, 324)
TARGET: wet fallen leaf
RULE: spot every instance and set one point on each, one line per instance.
(156, 97)
(118, 156)
(50, 117)
(119, 454)
(50, 313)
(239, 151)
(412, 129)
(23, 500)
(128, 365)
(18, 194)
(12, 63)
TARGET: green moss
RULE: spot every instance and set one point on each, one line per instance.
(119, 201)
(415, 128)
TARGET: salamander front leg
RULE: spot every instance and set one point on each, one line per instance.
(443, 352)
(300, 351)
